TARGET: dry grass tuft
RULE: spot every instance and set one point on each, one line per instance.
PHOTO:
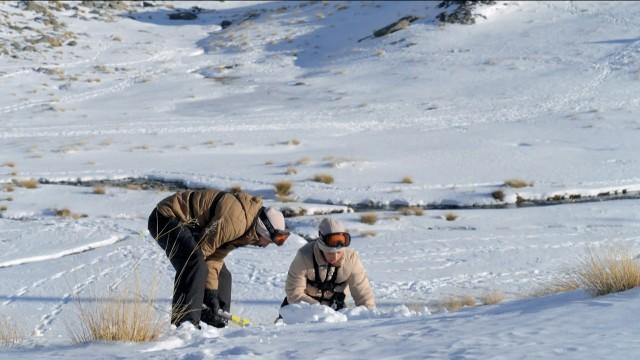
(9, 334)
(134, 187)
(411, 210)
(27, 184)
(291, 171)
(368, 233)
(10, 164)
(559, 285)
(68, 214)
(235, 189)
(492, 298)
(3, 208)
(294, 142)
(127, 316)
(303, 161)
(517, 183)
(407, 180)
(450, 216)
(99, 189)
(613, 271)
(498, 195)
(283, 188)
(369, 218)
(455, 303)
(268, 162)
(323, 178)
(8, 188)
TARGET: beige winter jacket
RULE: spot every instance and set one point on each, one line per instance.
(229, 226)
(350, 271)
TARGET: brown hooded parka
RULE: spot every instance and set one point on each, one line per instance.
(230, 225)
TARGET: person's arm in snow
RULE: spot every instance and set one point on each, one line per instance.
(359, 285)
(297, 282)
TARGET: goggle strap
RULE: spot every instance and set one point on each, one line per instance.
(265, 220)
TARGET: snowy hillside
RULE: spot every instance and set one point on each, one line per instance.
(105, 108)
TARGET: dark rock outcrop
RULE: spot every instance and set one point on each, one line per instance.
(460, 11)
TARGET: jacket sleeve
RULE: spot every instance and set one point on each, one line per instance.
(214, 264)
(297, 282)
(359, 285)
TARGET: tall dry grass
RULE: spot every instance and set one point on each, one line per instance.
(614, 270)
(128, 316)
(9, 334)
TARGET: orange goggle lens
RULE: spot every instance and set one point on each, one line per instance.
(337, 240)
(279, 238)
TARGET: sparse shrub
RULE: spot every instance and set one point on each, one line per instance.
(323, 178)
(128, 316)
(27, 184)
(8, 188)
(492, 298)
(3, 208)
(407, 180)
(516, 183)
(411, 210)
(498, 195)
(268, 162)
(450, 216)
(235, 188)
(293, 142)
(291, 171)
(99, 189)
(369, 218)
(9, 334)
(283, 188)
(10, 164)
(134, 187)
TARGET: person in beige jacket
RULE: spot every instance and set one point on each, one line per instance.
(326, 270)
(197, 229)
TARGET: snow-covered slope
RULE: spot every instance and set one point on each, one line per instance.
(545, 92)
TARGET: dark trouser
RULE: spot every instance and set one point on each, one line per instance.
(224, 288)
(181, 247)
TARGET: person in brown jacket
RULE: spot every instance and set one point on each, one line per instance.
(326, 270)
(197, 229)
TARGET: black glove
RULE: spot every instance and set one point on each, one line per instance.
(210, 312)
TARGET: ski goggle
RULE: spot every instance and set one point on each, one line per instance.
(336, 240)
(278, 237)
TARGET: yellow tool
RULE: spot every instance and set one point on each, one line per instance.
(242, 322)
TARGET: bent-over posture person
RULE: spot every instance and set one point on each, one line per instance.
(325, 271)
(197, 229)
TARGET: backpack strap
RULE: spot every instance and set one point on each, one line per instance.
(214, 203)
(327, 285)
